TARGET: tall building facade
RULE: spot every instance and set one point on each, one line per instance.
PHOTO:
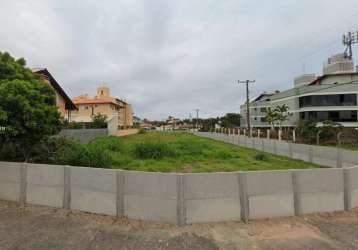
(331, 96)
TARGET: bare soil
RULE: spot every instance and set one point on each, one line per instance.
(35, 227)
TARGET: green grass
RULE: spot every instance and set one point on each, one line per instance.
(184, 152)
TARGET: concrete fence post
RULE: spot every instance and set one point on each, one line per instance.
(347, 190)
(120, 179)
(310, 153)
(268, 134)
(279, 134)
(244, 200)
(23, 184)
(318, 137)
(296, 194)
(67, 187)
(339, 157)
(290, 150)
(263, 145)
(294, 135)
(339, 150)
(258, 133)
(244, 132)
(181, 209)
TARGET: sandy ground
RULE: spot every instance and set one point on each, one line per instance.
(35, 227)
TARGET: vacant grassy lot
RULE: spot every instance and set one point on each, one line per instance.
(183, 152)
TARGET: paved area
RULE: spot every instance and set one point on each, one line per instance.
(35, 227)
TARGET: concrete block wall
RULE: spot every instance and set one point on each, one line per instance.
(181, 198)
(84, 135)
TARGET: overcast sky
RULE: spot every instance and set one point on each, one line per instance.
(171, 57)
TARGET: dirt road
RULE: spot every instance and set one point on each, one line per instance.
(36, 227)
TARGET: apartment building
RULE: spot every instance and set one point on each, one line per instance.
(331, 96)
(65, 105)
(104, 104)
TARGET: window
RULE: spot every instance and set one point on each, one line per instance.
(86, 107)
(336, 116)
(263, 119)
(263, 110)
(328, 100)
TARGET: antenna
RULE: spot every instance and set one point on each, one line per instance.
(348, 40)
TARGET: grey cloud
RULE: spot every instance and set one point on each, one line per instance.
(170, 57)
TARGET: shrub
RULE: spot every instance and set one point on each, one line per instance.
(223, 154)
(260, 157)
(154, 150)
(99, 121)
(90, 155)
(112, 143)
(142, 131)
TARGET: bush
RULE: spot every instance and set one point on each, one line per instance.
(154, 150)
(99, 121)
(90, 155)
(142, 131)
(260, 157)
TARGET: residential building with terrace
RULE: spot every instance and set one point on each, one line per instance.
(331, 96)
(103, 104)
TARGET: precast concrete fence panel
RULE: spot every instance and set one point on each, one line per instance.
(93, 190)
(348, 158)
(319, 190)
(210, 197)
(45, 185)
(269, 194)
(10, 181)
(179, 198)
(151, 196)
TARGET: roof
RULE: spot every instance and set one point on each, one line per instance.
(266, 94)
(83, 99)
(320, 78)
(44, 72)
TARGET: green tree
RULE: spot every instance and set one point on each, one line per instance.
(230, 120)
(99, 121)
(28, 111)
(282, 114)
(278, 116)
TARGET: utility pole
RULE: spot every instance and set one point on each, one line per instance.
(247, 82)
(197, 118)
